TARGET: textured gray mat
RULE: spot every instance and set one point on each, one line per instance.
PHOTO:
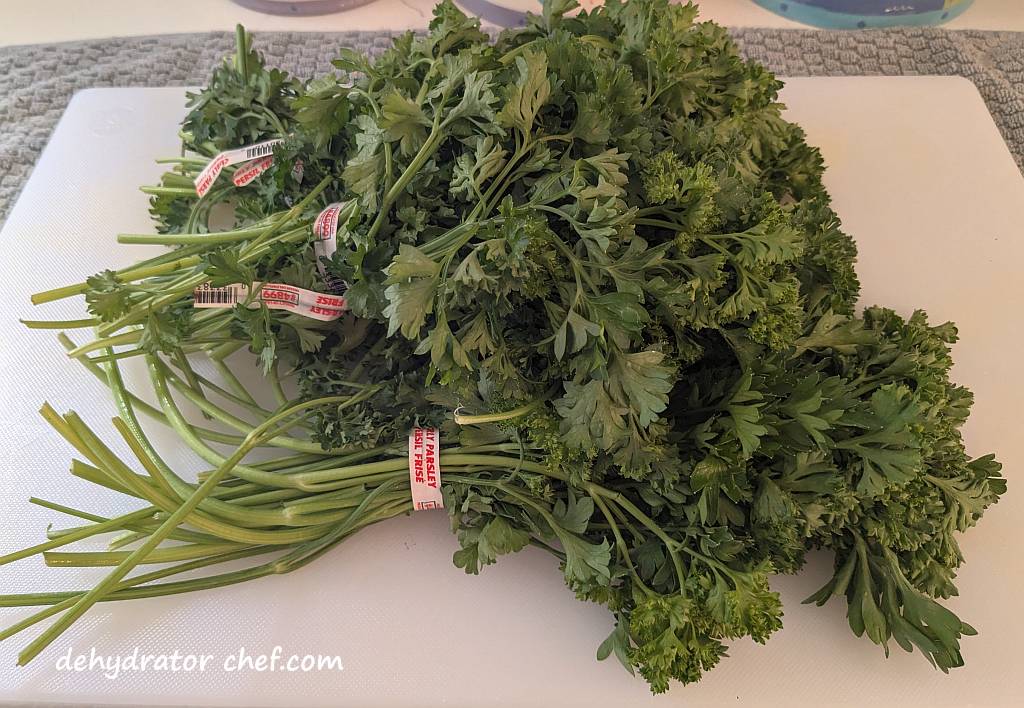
(39, 79)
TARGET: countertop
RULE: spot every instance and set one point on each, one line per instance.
(65, 20)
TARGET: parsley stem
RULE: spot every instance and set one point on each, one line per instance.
(169, 262)
(60, 324)
(232, 381)
(206, 239)
(250, 251)
(160, 375)
(104, 358)
(428, 148)
(189, 281)
(197, 161)
(659, 223)
(179, 515)
(135, 526)
(84, 532)
(635, 512)
(93, 559)
(621, 545)
(68, 596)
(127, 538)
(241, 54)
(144, 450)
(151, 411)
(497, 187)
(284, 440)
(168, 191)
(59, 293)
(196, 379)
(275, 384)
(208, 454)
(463, 419)
(159, 266)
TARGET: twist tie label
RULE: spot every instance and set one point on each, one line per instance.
(251, 170)
(227, 158)
(276, 296)
(325, 231)
(425, 469)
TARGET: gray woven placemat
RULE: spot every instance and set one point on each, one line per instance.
(40, 78)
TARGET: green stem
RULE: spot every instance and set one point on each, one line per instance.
(126, 276)
(241, 517)
(635, 512)
(168, 191)
(60, 601)
(228, 374)
(286, 442)
(109, 584)
(463, 419)
(659, 223)
(275, 384)
(195, 380)
(60, 324)
(241, 54)
(196, 161)
(160, 555)
(622, 547)
(85, 532)
(126, 538)
(151, 411)
(428, 148)
(207, 239)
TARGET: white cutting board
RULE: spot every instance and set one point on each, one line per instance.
(922, 179)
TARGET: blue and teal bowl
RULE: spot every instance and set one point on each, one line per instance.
(862, 14)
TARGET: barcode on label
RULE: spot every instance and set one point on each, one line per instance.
(325, 228)
(261, 150)
(204, 181)
(216, 296)
(325, 307)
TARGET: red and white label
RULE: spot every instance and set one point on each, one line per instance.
(325, 229)
(251, 170)
(276, 296)
(425, 469)
(227, 158)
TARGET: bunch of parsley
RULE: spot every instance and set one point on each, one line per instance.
(596, 240)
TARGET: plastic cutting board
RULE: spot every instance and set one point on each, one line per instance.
(921, 178)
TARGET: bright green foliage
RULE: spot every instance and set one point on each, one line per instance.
(598, 233)
(242, 104)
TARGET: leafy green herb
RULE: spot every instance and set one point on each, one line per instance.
(597, 241)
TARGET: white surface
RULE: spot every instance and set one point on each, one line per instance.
(63, 20)
(922, 179)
